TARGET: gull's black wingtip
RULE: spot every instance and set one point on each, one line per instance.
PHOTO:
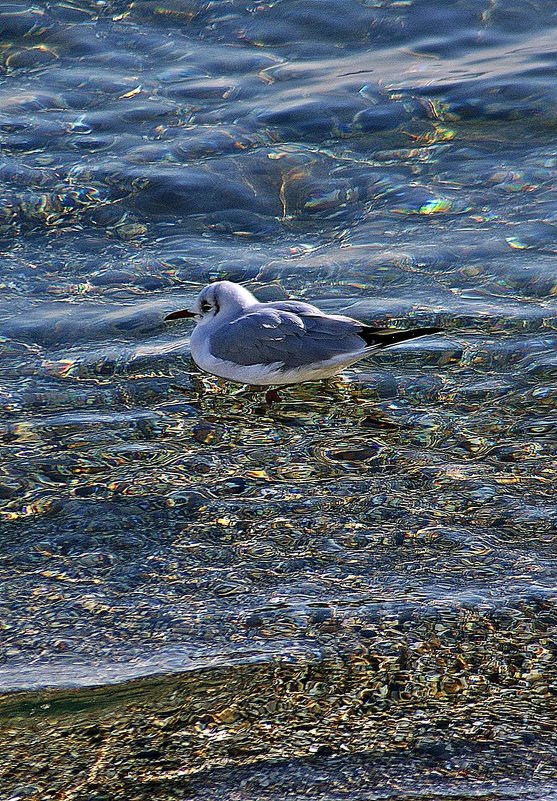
(378, 338)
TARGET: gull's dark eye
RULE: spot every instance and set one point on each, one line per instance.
(205, 307)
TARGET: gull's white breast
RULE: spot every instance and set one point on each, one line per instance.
(267, 374)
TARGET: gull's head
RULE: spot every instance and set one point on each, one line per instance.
(223, 300)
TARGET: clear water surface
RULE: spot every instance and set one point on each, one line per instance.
(352, 592)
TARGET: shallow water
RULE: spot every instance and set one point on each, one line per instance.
(391, 160)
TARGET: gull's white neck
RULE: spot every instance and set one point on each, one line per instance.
(234, 298)
(233, 301)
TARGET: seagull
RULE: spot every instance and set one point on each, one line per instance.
(280, 342)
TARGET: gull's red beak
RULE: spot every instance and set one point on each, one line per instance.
(177, 315)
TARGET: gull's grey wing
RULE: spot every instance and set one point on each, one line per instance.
(270, 335)
(308, 312)
(296, 306)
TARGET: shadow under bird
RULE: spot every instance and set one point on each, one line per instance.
(280, 342)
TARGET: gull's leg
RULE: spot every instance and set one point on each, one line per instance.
(272, 396)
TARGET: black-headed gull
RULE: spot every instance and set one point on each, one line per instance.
(284, 342)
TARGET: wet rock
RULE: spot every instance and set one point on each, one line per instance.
(194, 192)
(151, 283)
(208, 89)
(543, 367)
(106, 215)
(357, 454)
(381, 118)
(27, 58)
(112, 278)
(11, 171)
(241, 223)
(190, 500)
(23, 791)
(313, 119)
(208, 433)
(91, 143)
(233, 486)
(383, 383)
(8, 491)
(314, 22)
